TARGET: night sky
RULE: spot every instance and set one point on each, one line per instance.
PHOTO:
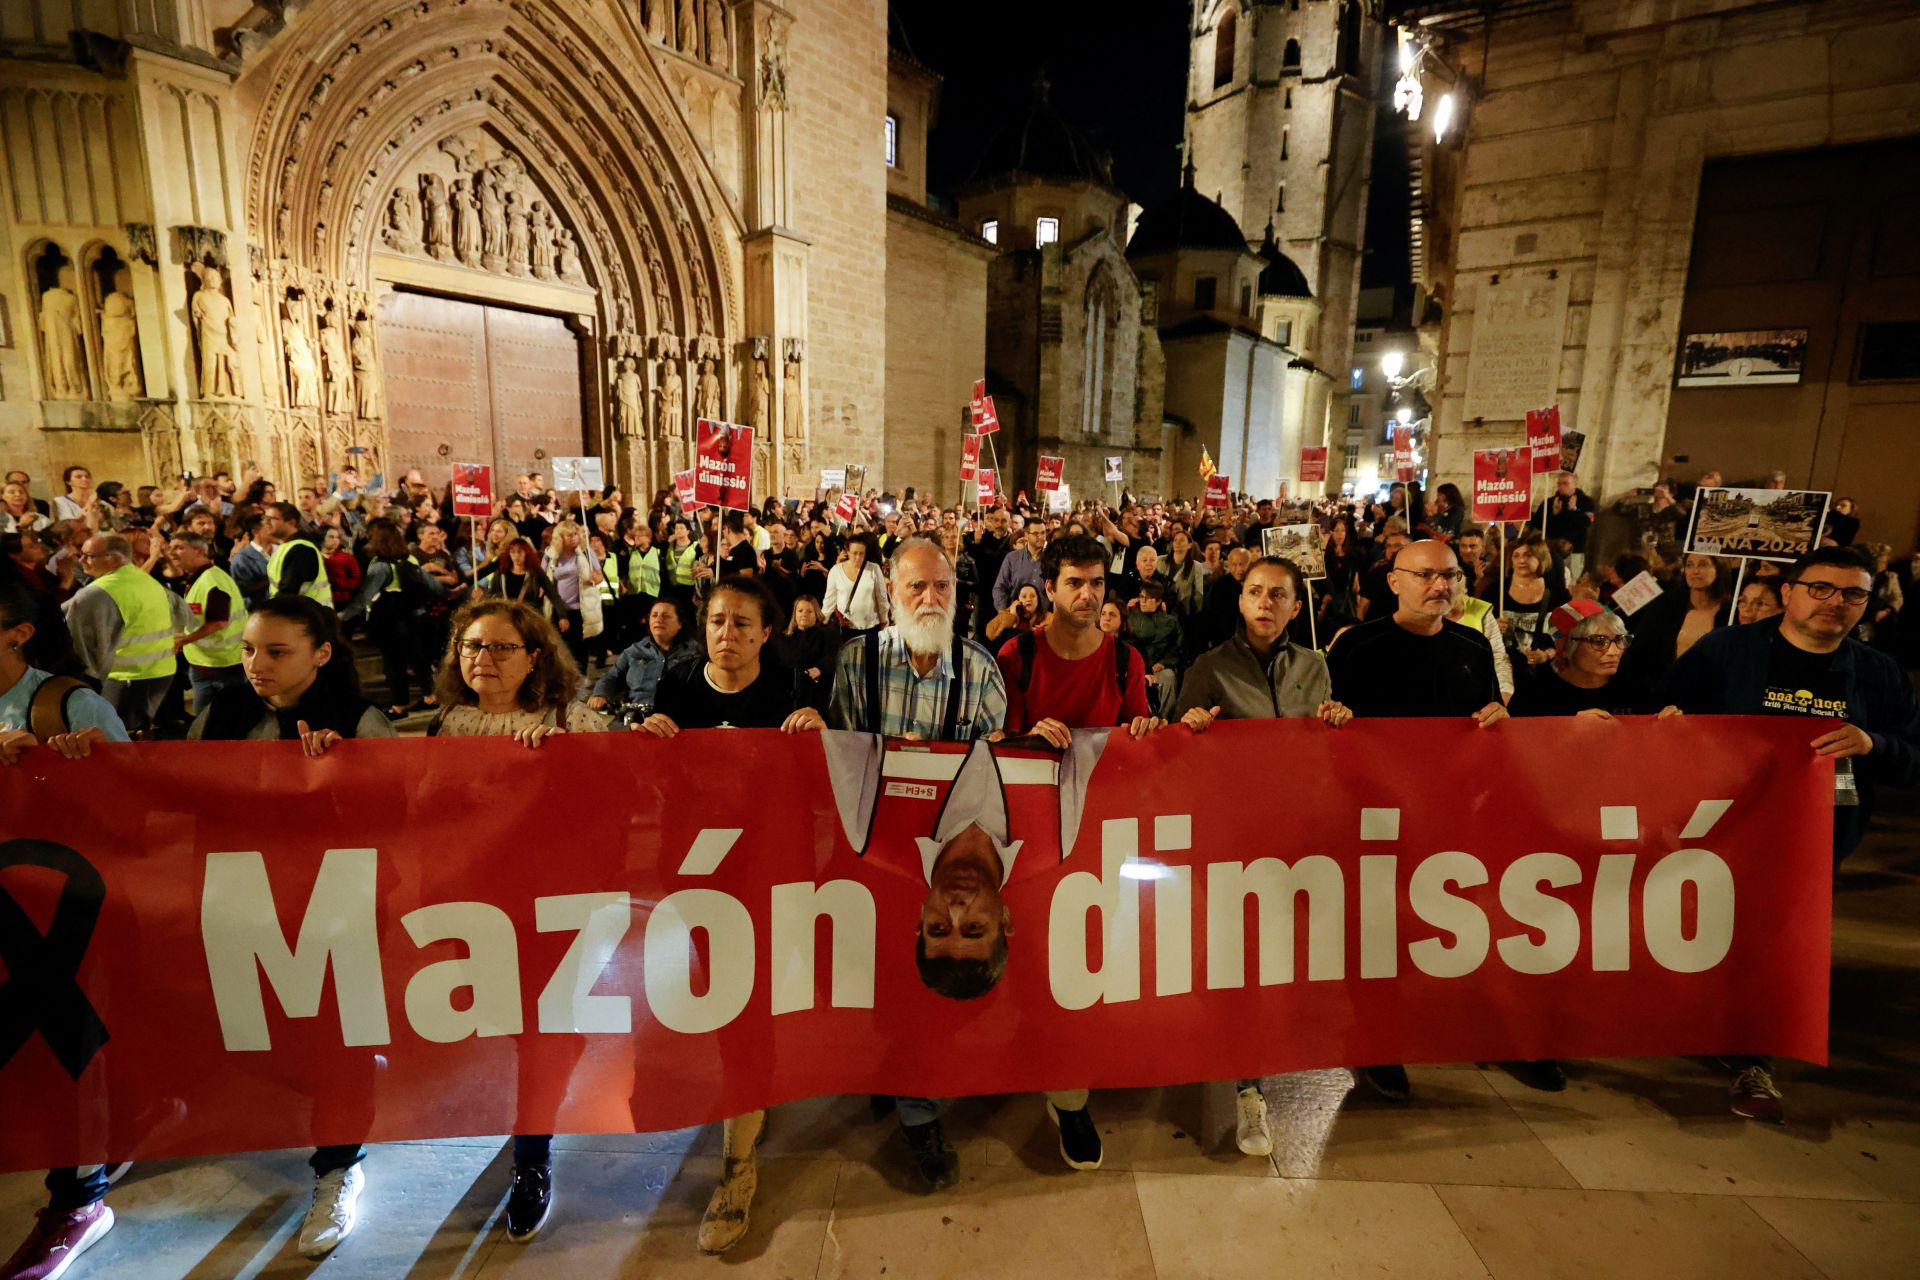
(1122, 83)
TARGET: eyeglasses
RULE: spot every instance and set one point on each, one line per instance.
(1826, 591)
(500, 650)
(1600, 644)
(1449, 576)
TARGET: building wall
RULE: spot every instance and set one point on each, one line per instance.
(838, 133)
(936, 347)
(1245, 404)
(1584, 152)
(911, 93)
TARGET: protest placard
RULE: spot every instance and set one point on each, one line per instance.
(985, 488)
(977, 405)
(989, 418)
(473, 489)
(833, 477)
(847, 508)
(1543, 437)
(1219, 491)
(1571, 443)
(1313, 463)
(1051, 472)
(683, 486)
(1114, 470)
(1502, 484)
(1637, 594)
(1303, 544)
(573, 475)
(1757, 524)
(723, 464)
(969, 456)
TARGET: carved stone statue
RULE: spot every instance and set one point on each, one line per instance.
(333, 364)
(369, 388)
(629, 396)
(466, 223)
(759, 397)
(516, 251)
(773, 67)
(403, 220)
(659, 20)
(690, 28)
(163, 441)
(120, 348)
(540, 227)
(60, 340)
(439, 216)
(708, 402)
(212, 316)
(792, 408)
(303, 372)
(719, 49)
(667, 411)
(567, 256)
(493, 219)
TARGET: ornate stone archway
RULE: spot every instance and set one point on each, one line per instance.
(366, 127)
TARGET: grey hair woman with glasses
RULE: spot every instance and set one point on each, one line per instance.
(1584, 677)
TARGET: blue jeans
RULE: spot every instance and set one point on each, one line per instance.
(207, 681)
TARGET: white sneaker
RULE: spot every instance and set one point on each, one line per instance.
(1253, 1135)
(336, 1199)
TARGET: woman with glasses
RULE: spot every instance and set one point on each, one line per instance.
(1584, 677)
(508, 674)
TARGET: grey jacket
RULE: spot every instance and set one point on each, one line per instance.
(1230, 676)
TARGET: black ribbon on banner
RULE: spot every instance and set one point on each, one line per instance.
(41, 991)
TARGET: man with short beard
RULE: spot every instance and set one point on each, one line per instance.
(917, 679)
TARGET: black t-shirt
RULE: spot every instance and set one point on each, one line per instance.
(1541, 692)
(1381, 669)
(742, 559)
(1801, 683)
(688, 699)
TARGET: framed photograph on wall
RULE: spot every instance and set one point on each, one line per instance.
(1744, 358)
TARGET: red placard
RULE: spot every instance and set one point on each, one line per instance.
(989, 418)
(977, 406)
(683, 486)
(244, 976)
(1052, 470)
(969, 456)
(1219, 491)
(1403, 464)
(1313, 463)
(1543, 437)
(986, 489)
(723, 465)
(473, 489)
(1502, 484)
(847, 508)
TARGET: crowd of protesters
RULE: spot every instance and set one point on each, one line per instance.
(222, 610)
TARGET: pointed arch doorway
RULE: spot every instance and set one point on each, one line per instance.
(473, 381)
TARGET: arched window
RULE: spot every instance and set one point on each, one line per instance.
(1099, 336)
(1223, 38)
(1290, 56)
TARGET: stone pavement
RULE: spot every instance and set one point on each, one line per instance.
(1637, 1170)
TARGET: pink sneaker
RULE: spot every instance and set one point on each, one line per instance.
(56, 1241)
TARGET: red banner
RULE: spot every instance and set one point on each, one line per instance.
(374, 956)
(977, 406)
(1313, 463)
(847, 508)
(1051, 472)
(683, 486)
(1543, 437)
(473, 489)
(1219, 491)
(723, 465)
(969, 457)
(1403, 464)
(986, 487)
(1502, 484)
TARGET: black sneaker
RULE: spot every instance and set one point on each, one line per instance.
(1079, 1140)
(529, 1201)
(1543, 1074)
(1389, 1082)
(937, 1163)
(880, 1104)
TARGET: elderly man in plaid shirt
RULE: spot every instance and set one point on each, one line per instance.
(917, 679)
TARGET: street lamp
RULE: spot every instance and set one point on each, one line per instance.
(1442, 117)
(1391, 363)
(1404, 415)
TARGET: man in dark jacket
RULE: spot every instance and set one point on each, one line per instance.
(1803, 662)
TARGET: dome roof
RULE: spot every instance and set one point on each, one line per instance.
(1040, 142)
(1281, 277)
(1186, 220)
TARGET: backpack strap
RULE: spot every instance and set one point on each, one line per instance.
(47, 712)
(950, 722)
(870, 643)
(1023, 645)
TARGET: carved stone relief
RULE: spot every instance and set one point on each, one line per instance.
(336, 378)
(629, 399)
(215, 336)
(793, 406)
(759, 389)
(370, 396)
(63, 349)
(120, 349)
(710, 400)
(670, 394)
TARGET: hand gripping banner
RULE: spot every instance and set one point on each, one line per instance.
(247, 948)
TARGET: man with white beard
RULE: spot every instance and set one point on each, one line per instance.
(917, 679)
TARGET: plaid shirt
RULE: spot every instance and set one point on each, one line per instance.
(911, 703)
